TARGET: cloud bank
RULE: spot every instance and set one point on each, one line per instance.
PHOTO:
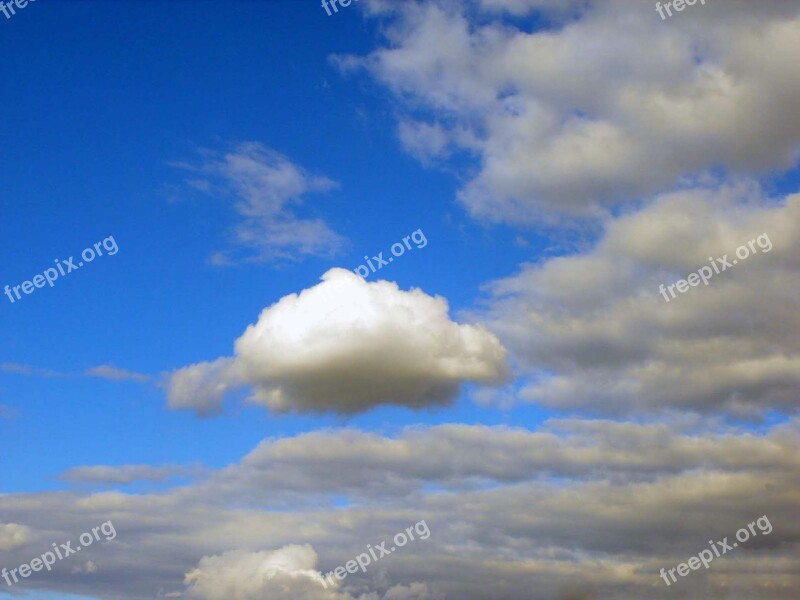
(602, 105)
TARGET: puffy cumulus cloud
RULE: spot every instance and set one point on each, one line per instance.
(288, 573)
(605, 103)
(13, 535)
(571, 535)
(266, 189)
(347, 345)
(595, 333)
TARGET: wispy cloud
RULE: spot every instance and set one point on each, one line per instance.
(102, 371)
(115, 374)
(267, 191)
(122, 474)
(21, 369)
(7, 412)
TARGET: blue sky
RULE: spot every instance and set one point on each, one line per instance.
(91, 143)
(563, 159)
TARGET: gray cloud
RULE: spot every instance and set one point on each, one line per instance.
(586, 530)
(593, 332)
(471, 457)
(605, 105)
(122, 474)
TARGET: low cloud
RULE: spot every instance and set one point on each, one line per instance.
(488, 541)
(13, 535)
(345, 346)
(594, 333)
(288, 573)
(600, 104)
(123, 474)
(285, 574)
(354, 464)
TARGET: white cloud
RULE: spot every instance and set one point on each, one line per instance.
(267, 191)
(285, 574)
(423, 140)
(605, 104)
(13, 535)
(288, 573)
(347, 345)
(595, 333)
(87, 568)
(202, 386)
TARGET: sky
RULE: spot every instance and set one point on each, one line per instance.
(221, 370)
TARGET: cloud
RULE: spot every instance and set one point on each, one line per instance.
(359, 465)
(423, 140)
(288, 573)
(582, 530)
(285, 574)
(87, 568)
(28, 370)
(347, 345)
(267, 190)
(13, 535)
(601, 105)
(123, 474)
(595, 334)
(415, 591)
(115, 374)
(202, 387)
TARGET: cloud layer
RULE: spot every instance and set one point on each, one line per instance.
(13, 535)
(584, 509)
